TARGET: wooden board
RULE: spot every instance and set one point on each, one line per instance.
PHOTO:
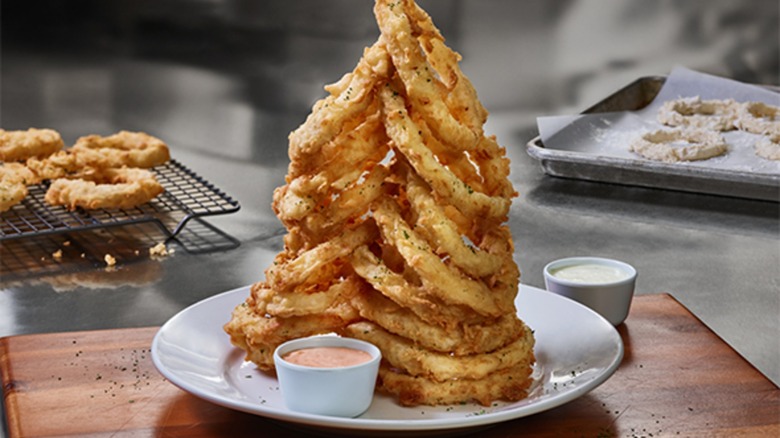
(677, 379)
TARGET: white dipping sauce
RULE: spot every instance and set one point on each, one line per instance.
(590, 273)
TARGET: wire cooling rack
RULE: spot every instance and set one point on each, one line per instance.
(187, 196)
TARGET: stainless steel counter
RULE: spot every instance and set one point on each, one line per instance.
(225, 82)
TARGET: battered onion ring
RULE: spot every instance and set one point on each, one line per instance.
(460, 339)
(407, 139)
(401, 353)
(769, 147)
(287, 304)
(131, 149)
(21, 145)
(348, 98)
(510, 384)
(759, 118)
(415, 298)
(62, 164)
(115, 188)
(316, 266)
(14, 179)
(259, 335)
(441, 280)
(420, 80)
(657, 145)
(719, 115)
(11, 193)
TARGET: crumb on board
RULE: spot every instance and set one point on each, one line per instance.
(57, 254)
(110, 260)
(66, 243)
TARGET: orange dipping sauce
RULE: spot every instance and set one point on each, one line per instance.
(327, 357)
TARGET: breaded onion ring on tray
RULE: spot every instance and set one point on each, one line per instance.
(111, 188)
(693, 112)
(21, 145)
(759, 118)
(769, 147)
(679, 145)
(62, 164)
(125, 148)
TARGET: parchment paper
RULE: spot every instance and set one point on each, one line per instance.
(610, 134)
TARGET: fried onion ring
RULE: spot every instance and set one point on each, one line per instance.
(459, 339)
(111, 188)
(14, 179)
(408, 139)
(715, 114)
(510, 384)
(21, 145)
(697, 145)
(401, 353)
(420, 79)
(125, 148)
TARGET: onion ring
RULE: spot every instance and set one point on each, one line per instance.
(405, 136)
(459, 339)
(21, 145)
(125, 148)
(14, 179)
(441, 280)
(401, 353)
(115, 188)
(701, 145)
(759, 118)
(510, 384)
(420, 80)
(769, 147)
(718, 115)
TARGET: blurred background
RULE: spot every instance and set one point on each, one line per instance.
(248, 71)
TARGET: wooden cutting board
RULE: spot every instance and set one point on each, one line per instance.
(677, 379)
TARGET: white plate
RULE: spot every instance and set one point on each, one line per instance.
(576, 351)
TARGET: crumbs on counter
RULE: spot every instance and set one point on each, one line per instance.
(160, 250)
(110, 260)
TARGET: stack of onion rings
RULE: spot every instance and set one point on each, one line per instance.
(395, 204)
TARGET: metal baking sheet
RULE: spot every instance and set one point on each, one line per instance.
(648, 173)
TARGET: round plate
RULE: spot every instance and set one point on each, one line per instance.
(576, 351)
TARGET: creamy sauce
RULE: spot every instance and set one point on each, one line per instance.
(327, 357)
(590, 273)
